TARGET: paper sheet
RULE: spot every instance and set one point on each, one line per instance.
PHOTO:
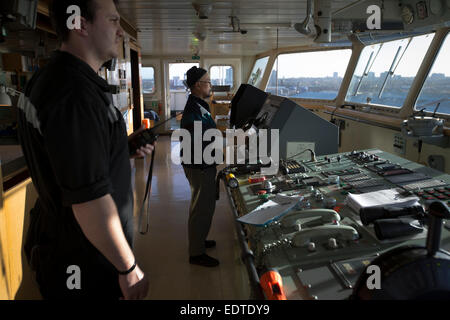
(270, 210)
(377, 198)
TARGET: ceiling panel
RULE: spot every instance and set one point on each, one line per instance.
(166, 27)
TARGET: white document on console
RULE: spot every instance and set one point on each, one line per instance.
(379, 198)
(271, 210)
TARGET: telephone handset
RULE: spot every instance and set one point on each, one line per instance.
(340, 232)
(324, 216)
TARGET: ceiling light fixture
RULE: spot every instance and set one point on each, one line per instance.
(203, 9)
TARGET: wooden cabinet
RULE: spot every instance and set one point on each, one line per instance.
(16, 279)
(4, 282)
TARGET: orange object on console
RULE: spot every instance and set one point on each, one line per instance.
(272, 285)
(146, 123)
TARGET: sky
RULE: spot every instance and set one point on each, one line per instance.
(147, 73)
(179, 69)
(313, 64)
(324, 64)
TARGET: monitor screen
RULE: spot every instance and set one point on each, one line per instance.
(245, 105)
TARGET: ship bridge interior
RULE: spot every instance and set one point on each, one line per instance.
(361, 83)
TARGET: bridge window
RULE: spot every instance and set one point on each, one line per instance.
(148, 80)
(309, 75)
(436, 89)
(258, 71)
(385, 71)
(221, 75)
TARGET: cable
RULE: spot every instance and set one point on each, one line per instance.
(143, 229)
(313, 155)
(332, 120)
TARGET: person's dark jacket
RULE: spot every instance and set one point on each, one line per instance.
(193, 112)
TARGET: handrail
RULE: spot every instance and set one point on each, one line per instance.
(247, 255)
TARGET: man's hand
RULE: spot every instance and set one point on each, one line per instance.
(142, 151)
(134, 285)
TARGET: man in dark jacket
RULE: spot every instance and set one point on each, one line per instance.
(201, 176)
(74, 141)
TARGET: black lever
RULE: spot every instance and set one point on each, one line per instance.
(437, 211)
(398, 227)
(371, 214)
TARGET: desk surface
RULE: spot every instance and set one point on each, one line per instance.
(13, 165)
(9, 152)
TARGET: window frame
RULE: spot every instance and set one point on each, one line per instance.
(445, 116)
(385, 109)
(268, 56)
(225, 65)
(154, 79)
(309, 51)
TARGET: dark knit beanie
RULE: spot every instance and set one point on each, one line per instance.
(193, 75)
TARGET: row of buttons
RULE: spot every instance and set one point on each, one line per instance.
(341, 172)
(435, 194)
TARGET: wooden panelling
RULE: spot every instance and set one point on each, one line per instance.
(4, 281)
(16, 204)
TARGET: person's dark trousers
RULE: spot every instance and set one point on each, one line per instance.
(54, 258)
(203, 204)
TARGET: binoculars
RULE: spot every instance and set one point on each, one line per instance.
(392, 222)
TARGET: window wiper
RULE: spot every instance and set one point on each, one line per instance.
(389, 73)
(403, 53)
(367, 69)
(393, 67)
(435, 102)
(363, 75)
